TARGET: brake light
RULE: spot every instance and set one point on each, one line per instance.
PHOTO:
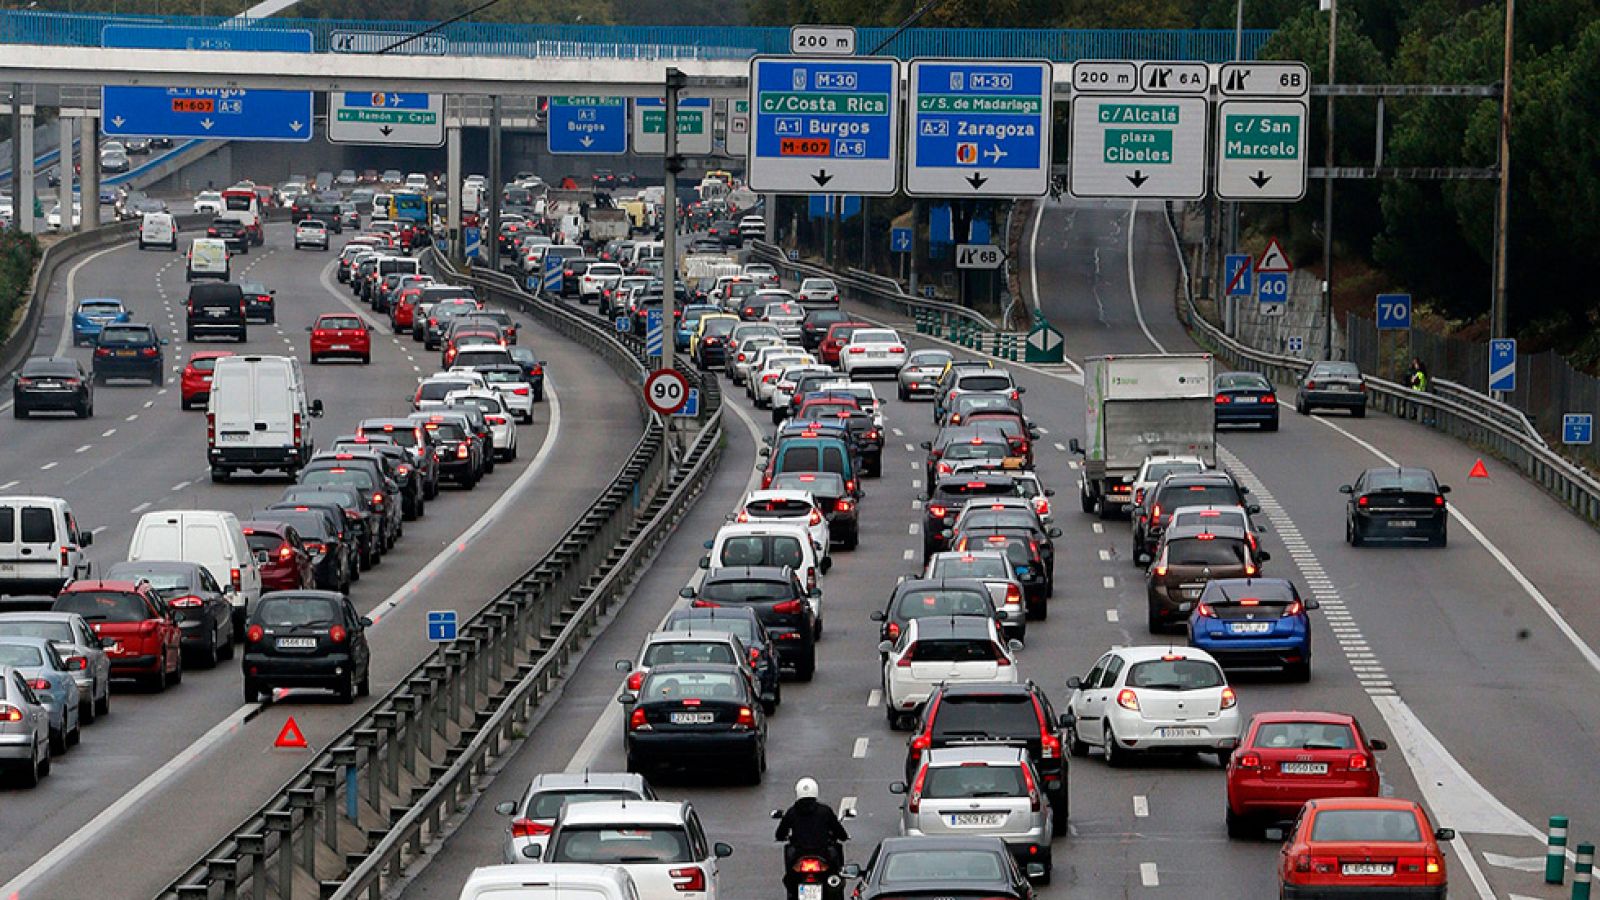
(902, 350)
(1438, 500)
(689, 879)
(746, 720)
(1311, 385)
(1229, 698)
(78, 662)
(65, 558)
(102, 352)
(1223, 399)
(787, 608)
(10, 713)
(254, 633)
(461, 450)
(189, 602)
(297, 429)
(1000, 657)
(816, 517)
(1204, 611)
(636, 721)
(337, 634)
(843, 505)
(1127, 699)
(1270, 399)
(1249, 760)
(1013, 595)
(39, 684)
(914, 799)
(1033, 788)
(858, 349)
(850, 486)
(1161, 565)
(234, 578)
(811, 865)
(527, 828)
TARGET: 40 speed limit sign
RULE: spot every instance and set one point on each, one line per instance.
(666, 390)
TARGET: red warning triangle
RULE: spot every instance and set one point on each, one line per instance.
(1479, 470)
(290, 736)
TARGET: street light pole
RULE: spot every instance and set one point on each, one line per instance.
(1332, 7)
(1499, 316)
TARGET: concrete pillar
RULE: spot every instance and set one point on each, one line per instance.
(452, 168)
(64, 163)
(88, 132)
(25, 195)
(491, 223)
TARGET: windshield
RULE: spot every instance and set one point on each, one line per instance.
(1175, 675)
(1417, 480)
(103, 606)
(1365, 825)
(288, 612)
(619, 844)
(691, 685)
(1198, 495)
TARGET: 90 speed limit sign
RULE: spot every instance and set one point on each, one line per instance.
(666, 390)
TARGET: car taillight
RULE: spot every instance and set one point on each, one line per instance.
(1033, 788)
(902, 350)
(1358, 762)
(1223, 399)
(938, 510)
(1311, 385)
(527, 828)
(65, 556)
(1270, 399)
(1013, 595)
(461, 450)
(635, 681)
(1249, 760)
(254, 633)
(1204, 611)
(1229, 698)
(692, 878)
(1161, 565)
(788, 607)
(858, 349)
(1127, 699)
(746, 720)
(10, 713)
(850, 486)
(337, 634)
(102, 352)
(816, 517)
(39, 684)
(297, 426)
(79, 663)
(811, 865)
(636, 721)
(190, 602)
(538, 370)
(1438, 500)
(521, 391)
(811, 578)
(705, 604)
(234, 578)
(843, 505)
(317, 548)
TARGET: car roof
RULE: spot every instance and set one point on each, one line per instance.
(629, 812)
(519, 877)
(748, 573)
(1394, 803)
(1219, 529)
(559, 780)
(761, 528)
(934, 627)
(1300, 715)
(955, 756)
(682, 637)
(43, 615)
(939, 842)
(1150, 652)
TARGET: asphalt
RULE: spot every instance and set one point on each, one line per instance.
(165, 776)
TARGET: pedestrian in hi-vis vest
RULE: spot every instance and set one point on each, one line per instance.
(1418, 381)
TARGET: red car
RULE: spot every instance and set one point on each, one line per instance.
(1019, 433)
(403, 311)
(340, 334)
(145, 640)
(1287, 758)
(838, 335)
(1359, 847)
(195, 387)
(285, 563)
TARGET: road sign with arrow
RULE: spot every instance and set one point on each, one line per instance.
(1261, 150)
(979, 256)
(580, 125)
(393, 119)
(206, 112)
(978, 128)
(824, 125)
(1136, 143)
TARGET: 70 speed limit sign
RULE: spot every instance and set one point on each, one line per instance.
(665, 391)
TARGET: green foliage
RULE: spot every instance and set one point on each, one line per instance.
(18, 254)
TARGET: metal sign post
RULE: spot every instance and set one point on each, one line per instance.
(669, 242)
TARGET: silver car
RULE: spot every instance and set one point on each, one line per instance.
(993, 569)
(920, 374)
(24, 728)
(980, 790)
(46, 672)
(81, 648)
(534, 815)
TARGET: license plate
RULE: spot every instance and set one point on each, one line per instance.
(206, 379)
(1180, 732)
(296, 643)
(976, 820)
(1250, 627)
(340, 347)
(694, 718)
(810, 892)
(114, 649)
(216, 313)
(1303, 768)
(1367, 869)
(1402, 523)
(233, 436)
(8, 568)
(127, 353)
(1244, 400)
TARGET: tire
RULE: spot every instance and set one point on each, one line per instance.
(806, 670)
(1359, 412)
(346, 689)
(1357, 539)
(1060, 817)
(19, 412)
(1116, 757)
(76, 734)
(1270, 426)
(364, 686)
(1301, 408)
(904, 395)
(1086, 501)
(176, 678)
(58, 742)
(35, 770)
(86, 712)
(226, 644)
(853, 541)
(754, 768)
(1239, 827)
(158, 682)
(102, 707)
(1300, 673)
(219, 476)
(1442, 539)
(366, 358)
(252, 690)
(1153, 621)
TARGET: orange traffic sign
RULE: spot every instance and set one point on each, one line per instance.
(291, 736)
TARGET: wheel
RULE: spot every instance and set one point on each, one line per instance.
(102, 707)
(891, 714)
(1298, 672)
(219, 476)
(86, 712)
(366, 358)
(58, 742)
(19, 412)
(904, 395)
(158, 682)
(36, 769)
(1086, 501)
(853, 541)
(346, 688)
(1239, 827)
(76, 734)
(160, 380)
(1153, 620)
(1058, 821)
(754, 768)
(1357, 539)
(226, 643)
(364, 686)
(252, 690)
(1441, 539)
(1116, 757)
(1103, 510)
(1301, 408)
(806, 670)
(176, 677)
(1270, 426)
(1075, 744)
(188, 336)
(1359, 412)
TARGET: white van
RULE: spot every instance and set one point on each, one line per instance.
(768, 543)
(41, 546)
(158, 229)
(646, 250)
(258, 417)
(208, 258)
(209, 537)
(555, 881)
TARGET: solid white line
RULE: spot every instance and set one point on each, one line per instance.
(1147, 871)
(72, 297)
(1033, 254)
(1133, 293)
(874, 697)
(1141, 806)
(860, 749)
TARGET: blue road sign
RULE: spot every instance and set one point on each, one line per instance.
(552, 274)
(208, 112)
(691, 406)
(979, 128)
(1503, 364)
(580, 125)
(1237, 269)
(441, 625)
(1297, 344)
(900, 240)
(1272, 287)
(472, 241)
(652, 332)
(1394, 312)
(824, 124)
(623, 324)
(1577, 428)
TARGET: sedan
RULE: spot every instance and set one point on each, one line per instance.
(195, 600)
(307, 639)
(1288, 758)
(195, 387)
(52, 384)
(1255, 623)
(699, 716)
(1332, 385)
(1401, 504)
(872, 350)
(1364, 846)
(85, 656)
(24, 729)
(1245, 398)
(534, 816)
(920, 373)
(1153, 698)
(904, 867)
(338, 334)
(819, 292)
(41, 665)
(94, 314)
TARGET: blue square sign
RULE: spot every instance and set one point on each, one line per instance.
(1503, 364)
(580, 125)
(900, 240)
(1272, 287)
(1577, 429)
(441, 625)
(1237, 268)
(979, 128)
(1394, 312)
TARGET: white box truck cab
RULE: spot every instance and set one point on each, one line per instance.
(41, 546)
(258, 417)
(209, 537)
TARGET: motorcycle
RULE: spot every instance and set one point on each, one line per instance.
(813, 876)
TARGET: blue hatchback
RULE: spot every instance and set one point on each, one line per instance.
(93, 315)
(38, 660)
(1254, 623)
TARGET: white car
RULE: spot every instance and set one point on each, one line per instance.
(920, 374)
(1154, 468)
(53, 218)
(417, 181)
(764, 274)
(753, 227)
(1138, 699)
(764, 381)
(745, 354)
(311, 233)
(769, 543)
(783, 388)
(208, 202)
(866, 397)
(550, 882)
(943, 650)
(513, 388)
(597, 278)
(760, 362)
(819, 292)
(533, 816)
(502, 429)
(432, 390)
(681, 863)
(872, 350)
(788, 507)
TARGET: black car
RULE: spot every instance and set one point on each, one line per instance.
(232, 232)
(1332, 385)
(838, 506)
(1402, 504)
(330, 213)
(306, 639)
(742, 623)
(814, 327)
(911, 868)
(397, 465)
(130, 351)
(358, 515)
(412, 438)
(460, 455)
(1010, 714)
(702, 717)
(259, 302)
(1245, 398)
(216, 309)
(778, 599)
(332, 561)
(1023, 551)
(572, 269)
(918, 598)
(1150, 519)
(366, 475)
(724, 231)
(865, 435)
(949, 495)
(51, 384)
(203, 613)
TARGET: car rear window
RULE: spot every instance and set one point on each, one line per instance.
(170, 583)
(50, 631)
(691, 685)
(1401, 480)
(666, 653)
(984, 382)
(944, 602)
(942, 865)
(1336, 370)
(263, 543)
(993, 715)
(437, 390)
(38, 525)
(449, 431)
(633, 844)
(1305, 736)
(969, 450)
(1233, 518)
(358, 478)
(402, 437)
(953, 650)
(330, 322)
(287, 612)
(1175, 675)
(777, 509)
(743, 629)
(969, 567)
(1198, 552)
(762, 550)
(820, 484)
(103, 606)
(204, 364)
(1241, 380)
(20, 655)
(978, 489)
(747, 591)
(1198, 495)
(973, 780)
(547, 804)
(1365, 825)
(125, 336)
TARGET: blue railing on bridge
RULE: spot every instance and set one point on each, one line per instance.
(679, 42)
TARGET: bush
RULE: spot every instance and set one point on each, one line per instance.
(18, 254)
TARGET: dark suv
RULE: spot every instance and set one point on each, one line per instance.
(1151, 517)
(306, 639)
(232, 232)
(130, 351)
(1189, 558)
(949, 495)
(959, 715)
(779, 600)
(216, 309)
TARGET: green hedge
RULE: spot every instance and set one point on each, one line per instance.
(19, 253)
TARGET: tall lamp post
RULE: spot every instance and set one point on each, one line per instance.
(1498, 315)
(1332, 6)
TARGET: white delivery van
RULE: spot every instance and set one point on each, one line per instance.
(158, 229)
(552, 881)
(41, 547)
(209, 537)
(258, 417)
(208, 258)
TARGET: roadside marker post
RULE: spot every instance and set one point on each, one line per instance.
(1555, 854)
(1582, 872)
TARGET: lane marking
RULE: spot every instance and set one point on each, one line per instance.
(1148, 876)
(846, 803)
(874, 697)
(48, 466)
(909, 554)
(1105, 555)
(8, 485)
(1108, 582)
(181, 485)
(1141, 806)
(914, 528)
(132, 417)
(140, 508)
(860, 749)
(1133, 286)
(1098, 528)
(108, 432)
(72, 297)
(83, 448)
(1060, 446)
(1113, 616)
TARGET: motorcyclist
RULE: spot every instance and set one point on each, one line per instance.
(809, 827)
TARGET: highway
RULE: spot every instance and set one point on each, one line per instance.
(165, 775)
(1447, 654)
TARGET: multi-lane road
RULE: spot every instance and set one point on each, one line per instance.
(1473, 661)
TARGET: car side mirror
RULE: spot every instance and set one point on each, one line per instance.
(1054, 532)
(1014, 645)
(365, 622)
(876, 615)
(1264, 556)
(1253, 509)
(1444, 488)
(316, 408)
(708, 544)
(1049, 492)
(308, 329)
(85, 538)
(764, 452)
(1022, 390)
(886, 646)
(508, 808)
(722, 851)
(624, 665)
(851, 870)
(687, 593)
(533, 852)
(705, 562)
(1312, 603)
(272, 293)
(1074, 682)
(927, 445)
(165, 342)
(814, 593)
(1377, 744)
(776, 814)
(1444, 834)
(627, 698)
(1346, 489)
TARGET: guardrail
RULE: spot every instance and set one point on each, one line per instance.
(1489, 408)
(349, 822)
(1474, 420)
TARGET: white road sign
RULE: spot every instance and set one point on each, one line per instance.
(824, 40)
(1174, 77)
(1138, 146)
(393, 119)
(1256, 79)
(738, 127)
(979, 256)
(1105, 77)
(1261, 150)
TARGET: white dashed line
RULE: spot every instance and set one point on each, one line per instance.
(846, 803)
(911, 448)
(131, 417)
(1060, 446)
(860, 749)
(1109, 583)
(181, 485)
(149, 403)
(1141, 806)
(8, 485)
(915, 528)
(1105, 555)
(1113, 616)
(874, 697)
(916, 484)
(899, 433)
(1148, 876)
(1098, 528)
(909, 554)
(48, 466)
(83, 448)
(140, 508)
